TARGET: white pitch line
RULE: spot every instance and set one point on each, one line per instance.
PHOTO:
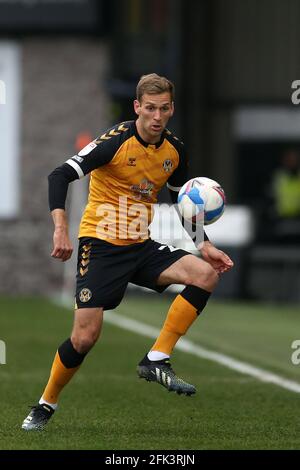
(189, 347)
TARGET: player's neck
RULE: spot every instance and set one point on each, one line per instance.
(145, 136)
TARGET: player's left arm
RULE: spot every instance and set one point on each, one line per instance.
(219, 260)
(174, 184)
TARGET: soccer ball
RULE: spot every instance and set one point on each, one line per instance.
(201, 201)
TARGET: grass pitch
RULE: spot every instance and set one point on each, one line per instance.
(107, 407)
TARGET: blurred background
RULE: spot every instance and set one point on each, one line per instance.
(68, 70)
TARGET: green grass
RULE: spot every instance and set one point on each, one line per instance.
(261, 334)
(107, 407)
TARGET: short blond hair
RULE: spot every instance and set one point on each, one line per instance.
(154, 84)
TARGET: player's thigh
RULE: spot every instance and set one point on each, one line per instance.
(152, 260)
(103, 272)
(189, 270)
(88, 319)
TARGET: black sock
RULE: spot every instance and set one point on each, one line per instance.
(69, 356)
(196, 296)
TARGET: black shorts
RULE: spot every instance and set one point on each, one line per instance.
(104, 269)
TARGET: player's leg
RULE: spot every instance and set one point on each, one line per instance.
(70, 355)
(103, 272)
(200, 279)
(67, 360)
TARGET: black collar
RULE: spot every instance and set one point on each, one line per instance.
(145, 144)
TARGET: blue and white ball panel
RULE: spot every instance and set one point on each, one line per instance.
(191, 205)
(211, 216)
(215, 206)
(188, 208)
(194, 195)
(201, 200)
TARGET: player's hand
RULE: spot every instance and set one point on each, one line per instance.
(62, 246)
(216, 258)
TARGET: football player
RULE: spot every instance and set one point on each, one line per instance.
(128, 165)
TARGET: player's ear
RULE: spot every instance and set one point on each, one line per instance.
(136, 106)
(172, 108)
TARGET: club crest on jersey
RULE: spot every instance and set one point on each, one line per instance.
(131, 161)
(85, 295)
(142, 191)
(168, 165)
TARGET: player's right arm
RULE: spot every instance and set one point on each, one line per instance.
(62, 246)
(94, 155)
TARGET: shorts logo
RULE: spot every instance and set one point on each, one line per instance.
(85, 295)
(168, 165)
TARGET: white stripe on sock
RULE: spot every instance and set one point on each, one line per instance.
(157, 356)
(52, 405)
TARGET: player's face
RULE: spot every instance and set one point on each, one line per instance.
(154, 112)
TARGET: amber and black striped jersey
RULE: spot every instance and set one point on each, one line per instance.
(126, 175)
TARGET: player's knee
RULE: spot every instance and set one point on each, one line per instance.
(210, 278)
(207, 279)
(84, 341)
(82, 344)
